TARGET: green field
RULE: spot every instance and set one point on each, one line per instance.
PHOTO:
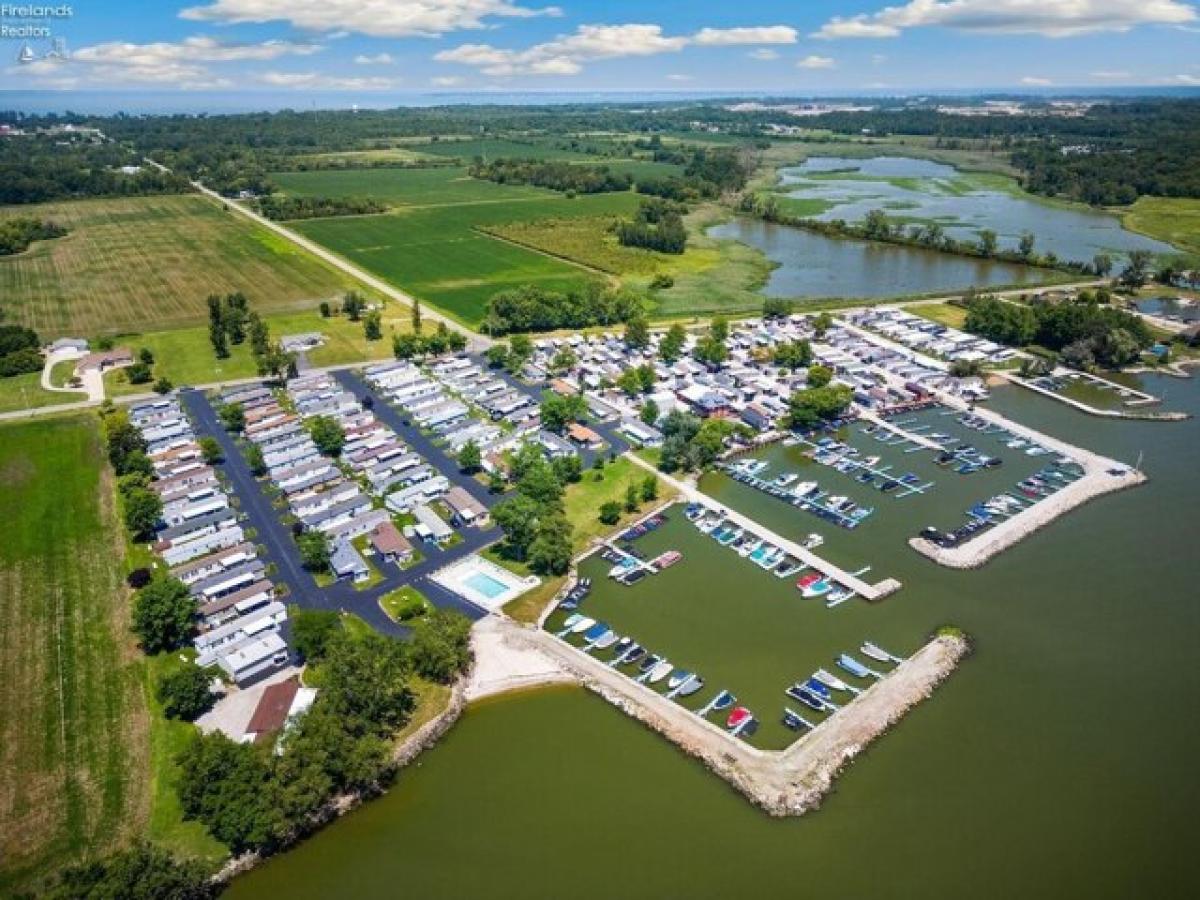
(150, 262)
(495, 148)
(26, 392)
(75, 767)
(437, 253)
(404, 187)
(1174, 220)
(185, 356)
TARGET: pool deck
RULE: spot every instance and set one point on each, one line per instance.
(695, 495)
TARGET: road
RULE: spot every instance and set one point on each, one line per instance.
(282, 552)
(476, 341)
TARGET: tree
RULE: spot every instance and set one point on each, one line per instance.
(777, 308)
(139, 373)
(558, 411)
(146, 355)
(610, 512)
(326, 310)
(366, 678)
(637, 333)
(327, 434)
(373, 326)
(518, 519)
(821, 324)
(210, 449)
(810, 407)
(649, 412)
(564, 360)
(876, 225)
(314, 551)
(631, 497)
(793, 355)
(649, 489)
(672, 343)
(470, 458)
(227, 786)
(965, 368)
(144, 872)
(1137, 268)
(819, 376)
(567, 469)
(1025, 244)
(123, 442)
(312, 631)
(256, 461)
(496, 356)
(441, 646)
(416, 316)
(163, 614)
(142, 510)
(184, 693)
(520, 349)
(630, 382)
(1102, 264)
(496, 482)
(276, 363)
(353, 305)
(550, 552)
(163, 385)
(233, 417)
(216, 336)
(987, 242)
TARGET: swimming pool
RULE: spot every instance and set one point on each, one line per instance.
(485, 584)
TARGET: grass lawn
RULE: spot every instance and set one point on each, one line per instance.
(1170, 219)
(184, 355)
(75, 760)
(529, 606)
(432, 700)
(439, 254)
(167, 738)
(944, 313)
(584, 499)
(394, 602)
(404, 187)
(26, 392)
(150, 262)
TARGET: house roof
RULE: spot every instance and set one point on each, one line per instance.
(386, 538)
(582, 433)
(119, 356)
(272, 711)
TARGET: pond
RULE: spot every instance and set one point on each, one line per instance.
(1059, 761)
(1177, 309)
(815, 265)
(962, 202)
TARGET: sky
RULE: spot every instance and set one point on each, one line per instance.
(784, 47)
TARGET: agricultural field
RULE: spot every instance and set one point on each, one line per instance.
(1174, 220)
(150, 262)
(440, 256)
(75, 766)
(185, 356)
(404, 187)
(495, 148)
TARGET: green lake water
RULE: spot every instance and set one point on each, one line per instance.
(1058, 761)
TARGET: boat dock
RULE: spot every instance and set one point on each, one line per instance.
(1096, 411)
(897, 428)
(846, 579)
(855, 466)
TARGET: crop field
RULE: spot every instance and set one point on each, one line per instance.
(495, 148)
(437, 253)
(134, 263)
(404, 187)
(74, 750)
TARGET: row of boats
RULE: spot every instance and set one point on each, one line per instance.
(817, 691)
(806, 495)
(850, 460)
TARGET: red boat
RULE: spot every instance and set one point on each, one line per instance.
(738, 717)
(808, 580)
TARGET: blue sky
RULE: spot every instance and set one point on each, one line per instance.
(793, 47)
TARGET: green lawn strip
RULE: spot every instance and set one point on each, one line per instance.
(394, 603)
(584, 499)
(73, 719)
(944, 313)
(1171, 219)
(26, 392)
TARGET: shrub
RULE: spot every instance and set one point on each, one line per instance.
(184, 693)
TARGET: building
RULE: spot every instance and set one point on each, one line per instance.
(466, 509)
(430, 526)
(105, 360)
(390, 544)
(78, 345)
(583, 436)
(346, 562)
(259, 657)
(279, 704)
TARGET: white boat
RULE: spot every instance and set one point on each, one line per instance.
(678, 677)
(661, 671)
(804, 488)
(828, 678)
(570, 622)
(785, 479)
(607, 641)
(813, 541)
(582, 625)
(749, 547)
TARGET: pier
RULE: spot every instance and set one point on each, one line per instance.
(1144, 399)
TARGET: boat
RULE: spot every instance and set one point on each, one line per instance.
(838, 596)
(661, 671)
(632, 655)
(818, 588)
(723, 700)
(730, 536)
(828, 678)
(597, 631)
(691, 686)
(808, 579)
(649, 663)
(570, 622)
(817, 689)
(795, 721)
(876, 652)
(785, 479)
(623, 567)
(609, 635)
(607, 640)
(623, 645)
(804, 488)
(666, 560)
(809, 699)
(749, 546)
(854, 667)
(738, 718)
(678, 677)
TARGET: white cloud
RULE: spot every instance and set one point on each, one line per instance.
(566, 54)
(183, 64)
(379, 59)
(321, 81)
(815, 62)
(675, 76)
(1111, 75)
(764, 53)
(1035, 81)
(379, 18)
(1185, 79)
(1052, 18)
(446, 80)
(765, 34)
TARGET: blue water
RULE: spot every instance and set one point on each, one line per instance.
(486, 585)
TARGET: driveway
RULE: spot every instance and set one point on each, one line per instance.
(93, 382)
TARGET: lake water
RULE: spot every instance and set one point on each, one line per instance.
(814, 265)
(1170, 307)
(963, 203)
(1059, 761)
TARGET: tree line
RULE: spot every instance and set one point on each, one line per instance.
(38, 169)
(657, 225)
(533, 308)
(570, 178)
(20, 351)
(280, 208)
